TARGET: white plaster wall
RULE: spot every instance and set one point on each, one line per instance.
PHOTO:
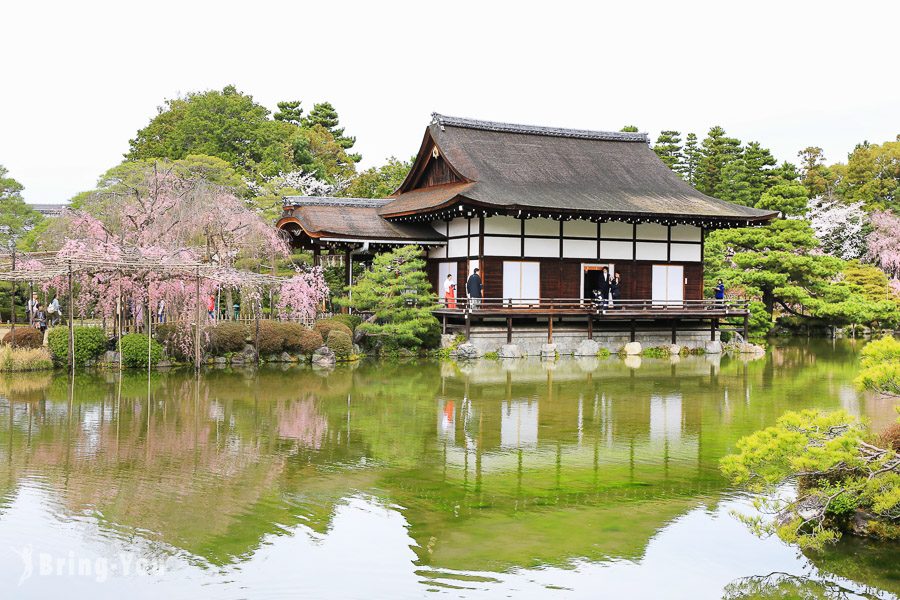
(685, 252)
(579, 228)
(685, 233)
(613, 250)
(458, 247)
(502, 246)
(651, 251)
(541, 227)
(502, 224)
(439, 252)
(652, 231)
(461, 227)
(440, 227)
(541, 248)
(579, 249)
(616, 229)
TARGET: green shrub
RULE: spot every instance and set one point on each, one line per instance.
(603, 353)
(24, 337)
(177, 340)
(271, 337)
(292, 332)
(227, 336)
(326, 326)
(492, 355)
(90, 343)
(24, 359)
(134, 350)
(340, 343)
(305, 340)
(725, 336)
(349, 320)
(655, 352)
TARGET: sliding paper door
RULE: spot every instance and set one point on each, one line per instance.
(521, 281)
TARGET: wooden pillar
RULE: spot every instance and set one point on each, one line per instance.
(674, 331)
(509, 330)
(632, 330)
(746, 326)
(316, 256)
(71, 302)
(468, 325)
(13, 285)
(444, 322)
(197, 326)
(713, 325)
(590, 321)
(550, 329)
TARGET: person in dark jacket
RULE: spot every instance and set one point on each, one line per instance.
(615, 289)
(474, 289)
(720, 292)
(603, 287)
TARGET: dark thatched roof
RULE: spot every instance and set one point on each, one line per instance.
(532, 168)
(350, 219)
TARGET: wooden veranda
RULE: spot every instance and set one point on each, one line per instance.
(619, 316)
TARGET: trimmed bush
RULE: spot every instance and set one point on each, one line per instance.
(349, 320)
(24, 359)
(298, 338)
(271, 337)
(90, 343)
(725, 336)
(226, 337)
(177, 340)
(340, 343)
(326, 326)
(134, 350)
(24, 337)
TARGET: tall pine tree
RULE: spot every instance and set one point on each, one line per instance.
(668, 149)
(718, 151)
(691, 161)
(324, 114)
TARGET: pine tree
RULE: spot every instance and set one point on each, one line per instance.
(629, 129)
(668, 149)
(397, 291)
(324, 114)
(747, 177)
(289, 111)
(691, 161)
(718, 150)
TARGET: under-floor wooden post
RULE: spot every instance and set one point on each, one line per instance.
(550, 329)
(590, 320)
(746, 326)
(444, 320)
(632, 330)
(468, 326)
(674, 332)
(509, 330)
(713, 325)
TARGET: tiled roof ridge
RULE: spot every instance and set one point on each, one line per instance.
(586, 134)
(332, 201)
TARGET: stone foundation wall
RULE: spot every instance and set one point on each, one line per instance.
(530, 339)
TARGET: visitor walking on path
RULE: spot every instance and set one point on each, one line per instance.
(39, 321)
(211, 307)
(450, 292)
(720, 292)
(30, 306)
(161, 311)
(474, 289)
(54, 312)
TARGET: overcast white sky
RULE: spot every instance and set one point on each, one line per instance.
(80, 78)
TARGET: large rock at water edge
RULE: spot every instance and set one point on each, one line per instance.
(323, 357)
(713, 347)
(674, 349)
(587, 348)
(509, 351)
(548, 351)
(632, 348)
(467, 351)
(748, 348)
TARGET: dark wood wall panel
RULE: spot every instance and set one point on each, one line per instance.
(436, 173)
(431, 269)
(693, 272)
(492, 277)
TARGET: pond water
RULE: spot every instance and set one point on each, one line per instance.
(576, 479)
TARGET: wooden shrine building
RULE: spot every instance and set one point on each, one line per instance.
(539, 210)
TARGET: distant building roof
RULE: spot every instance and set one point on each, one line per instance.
(48, 210)
(530, 168)
(351, 219)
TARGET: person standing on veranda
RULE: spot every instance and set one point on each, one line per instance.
(615, 289)
(474, 289)
(449, 292)
(720, 292)
(603, 287)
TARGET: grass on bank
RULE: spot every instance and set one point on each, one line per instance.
(24, 359)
